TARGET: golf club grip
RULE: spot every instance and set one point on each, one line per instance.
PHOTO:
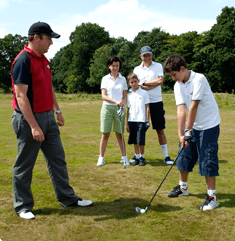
(165, 176)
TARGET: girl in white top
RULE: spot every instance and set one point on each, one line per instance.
(114, 95)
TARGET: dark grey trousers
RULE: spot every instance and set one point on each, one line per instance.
(28, 149)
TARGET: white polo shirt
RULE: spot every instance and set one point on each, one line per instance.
(198, 88)
(149, 74)
(114, 88)
(136, 102)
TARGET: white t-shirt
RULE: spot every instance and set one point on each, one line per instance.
(198, 88)
(136, 102)
(114, 88)
(148, 74)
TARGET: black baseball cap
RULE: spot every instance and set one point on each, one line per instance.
(44, 28)
(146, 50)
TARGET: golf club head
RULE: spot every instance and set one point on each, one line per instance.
(140, 210)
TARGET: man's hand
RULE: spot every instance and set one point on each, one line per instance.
(60, 119)
(187, 135)
(37, 134)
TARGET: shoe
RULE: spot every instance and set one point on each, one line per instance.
(27, 215)
(142, 161)
(101, 161)
(136, 162)
(125, 161)
(133, 159)
(84, 203)
(168, 161)
(177, 192)
(209, 204)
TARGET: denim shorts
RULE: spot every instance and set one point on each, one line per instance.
(204, 148)
(137, 133)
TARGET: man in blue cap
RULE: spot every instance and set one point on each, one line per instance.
(151, 78)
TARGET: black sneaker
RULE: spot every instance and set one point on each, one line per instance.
(177, 192)
(168, 161)
(133, 159)
(142, 161)
(136, 162)
(209, 204)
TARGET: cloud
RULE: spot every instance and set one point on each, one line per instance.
(127, 18)
(3, 4)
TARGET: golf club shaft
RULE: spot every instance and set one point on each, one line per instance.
(165, 177)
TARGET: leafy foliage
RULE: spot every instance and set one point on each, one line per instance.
(80, 65)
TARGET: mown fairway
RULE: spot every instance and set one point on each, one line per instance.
(115, 191)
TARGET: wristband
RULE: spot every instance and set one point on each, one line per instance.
(58, 112)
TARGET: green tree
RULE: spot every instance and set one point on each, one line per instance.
(10, 46)
(216, 52)
(84, 41)
(98, 67)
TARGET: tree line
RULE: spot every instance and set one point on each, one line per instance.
(80, 65)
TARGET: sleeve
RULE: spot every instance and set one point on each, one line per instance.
(128, 101)
(178, 95)
(146, 98)
(103, 83)
(21, 70)
(159, 70)
(125, 84)
(199, 86)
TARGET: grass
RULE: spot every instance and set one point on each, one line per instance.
(115, 191)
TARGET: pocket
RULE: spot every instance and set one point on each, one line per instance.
(15, 123)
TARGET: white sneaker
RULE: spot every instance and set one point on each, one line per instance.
(209, 204)
(125, 161)
(84, 203)
(27, 215)
(101, 161)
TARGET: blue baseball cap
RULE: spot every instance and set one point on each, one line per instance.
(146, 50)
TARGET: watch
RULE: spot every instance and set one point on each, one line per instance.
(58, 112)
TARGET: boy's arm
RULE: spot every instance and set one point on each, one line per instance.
(181, 117)
(192, 114)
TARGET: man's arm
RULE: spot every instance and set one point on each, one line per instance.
(24, 105)
(59, 116)
(147, 112)
(158, 81)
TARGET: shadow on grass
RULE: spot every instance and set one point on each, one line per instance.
(122, 208)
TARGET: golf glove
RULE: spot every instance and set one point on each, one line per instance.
(146, 125)
(120, 111)
(187, 135)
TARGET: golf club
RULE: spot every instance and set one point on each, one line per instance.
(140, 210)
(120, 112)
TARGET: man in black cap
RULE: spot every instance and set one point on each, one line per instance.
(33, 121)
(151, 78)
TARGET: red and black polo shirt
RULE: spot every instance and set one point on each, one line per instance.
(30, 69)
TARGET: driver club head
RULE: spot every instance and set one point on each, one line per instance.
(140, 210)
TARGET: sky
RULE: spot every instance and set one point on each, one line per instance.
(121, 18)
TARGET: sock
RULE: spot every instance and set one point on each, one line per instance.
(211, 193)
(183, 185)
(141, 155)
(137, 156)
(164, 150)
